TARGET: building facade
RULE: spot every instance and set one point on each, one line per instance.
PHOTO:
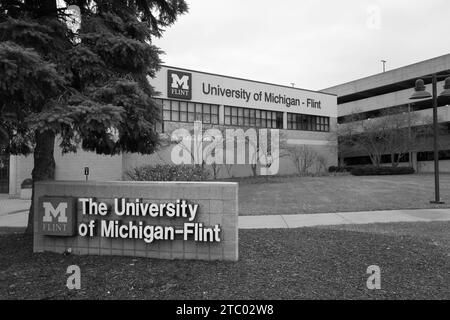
(372, 98)
(304, 118)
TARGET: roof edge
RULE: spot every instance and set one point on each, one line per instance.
(255, 81)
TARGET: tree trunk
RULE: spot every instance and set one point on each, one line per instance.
(44, 167)
(254, 169)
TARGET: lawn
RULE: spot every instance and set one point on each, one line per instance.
(293, 195)
(308, 263)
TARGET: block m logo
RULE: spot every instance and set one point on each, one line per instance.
(57, 216)
(179, 85)
(59, 213)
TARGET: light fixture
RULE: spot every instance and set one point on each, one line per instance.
(446, 92)
(420, 91)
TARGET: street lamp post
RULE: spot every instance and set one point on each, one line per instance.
(421, 93)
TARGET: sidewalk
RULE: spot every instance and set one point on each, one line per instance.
(365, 217)
(14, 213)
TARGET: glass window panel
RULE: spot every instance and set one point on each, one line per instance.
(166, 104)
(227, 120)
(175, 116)
(246, 121)
(198, 108)
(252, 118)
(234, 120)
(191, 107)
(241, 112)
(263, 115)
(227, 111)
(183, 116)
(206, 108)
(215, 119)
(207, 118)
(246, 113)
(175, 105)
(183, 106)
(166, 115)
(191, 117)
(214, 109)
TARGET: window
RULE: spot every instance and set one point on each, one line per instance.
(237, 116)
(306, 122)
(429, 155)
(182, 111)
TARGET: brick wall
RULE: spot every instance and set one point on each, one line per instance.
(218, 204)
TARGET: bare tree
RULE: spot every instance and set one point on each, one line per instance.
(302, 156)
(321, 163)
(389, 134)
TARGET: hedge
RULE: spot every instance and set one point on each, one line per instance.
(334, 169)
(27, 184)
(168, 172)
(380, 171)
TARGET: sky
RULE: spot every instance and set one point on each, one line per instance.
(312, 43)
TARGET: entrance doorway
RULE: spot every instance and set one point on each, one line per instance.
(4, 171)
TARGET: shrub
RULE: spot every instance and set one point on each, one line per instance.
(380, 171)
(332, 169)
(168, 172)
(27, 184)
(335, 169)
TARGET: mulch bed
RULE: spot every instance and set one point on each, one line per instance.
(308, 263)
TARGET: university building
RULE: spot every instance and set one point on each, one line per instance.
(373, 97)
(304, 118)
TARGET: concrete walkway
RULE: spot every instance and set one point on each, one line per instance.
(366, 217)
(14, 213)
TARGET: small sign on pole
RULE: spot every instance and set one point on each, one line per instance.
(86, 173)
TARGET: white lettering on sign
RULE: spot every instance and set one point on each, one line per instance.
(180, 209)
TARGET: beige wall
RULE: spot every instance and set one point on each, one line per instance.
(324, 144)
(68, 167)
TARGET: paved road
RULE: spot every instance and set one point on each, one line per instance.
(14, 213)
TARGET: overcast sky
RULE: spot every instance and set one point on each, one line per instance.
(312, 43)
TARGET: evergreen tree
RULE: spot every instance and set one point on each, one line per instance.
(86, 88)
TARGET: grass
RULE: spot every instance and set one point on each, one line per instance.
(308, 263)
(294, 195)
